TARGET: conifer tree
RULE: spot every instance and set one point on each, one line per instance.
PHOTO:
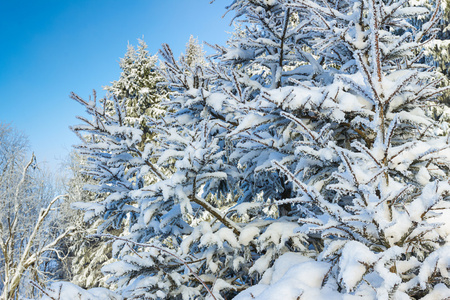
(180, 195)
(85, 255)
(194, 54)
(304, 158)
(436, 52)
(371, 165)
(139, 87)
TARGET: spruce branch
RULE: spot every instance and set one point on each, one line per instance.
(367, 76)
(366, 150)
(161, 249)
(388, 138)
(435, 17)
(400, 86)
(312, 136)
(283, 37)
(375, 43)
(213, 211)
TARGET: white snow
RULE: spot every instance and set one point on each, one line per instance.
(292, 280)
(69, 291)
(423, 176)
(353, 256)
(248, 234)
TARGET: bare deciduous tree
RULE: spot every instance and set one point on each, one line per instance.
(26, 202)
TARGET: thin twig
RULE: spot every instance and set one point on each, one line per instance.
(41, 289)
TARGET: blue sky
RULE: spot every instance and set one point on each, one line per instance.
(49, 48)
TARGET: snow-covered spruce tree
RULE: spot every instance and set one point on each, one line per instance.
(267, 54)
(371, 165)
(335, 94)
(440, 51)
(437, 51)
(182, 194)
(138, 87)
(133, 208)
(138, 92)
(85, 255)
(194, 52)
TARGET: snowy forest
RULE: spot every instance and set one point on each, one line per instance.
(307, 158)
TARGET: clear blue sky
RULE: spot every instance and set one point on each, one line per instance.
(49, 48)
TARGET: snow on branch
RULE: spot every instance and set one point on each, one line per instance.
(161, 249)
